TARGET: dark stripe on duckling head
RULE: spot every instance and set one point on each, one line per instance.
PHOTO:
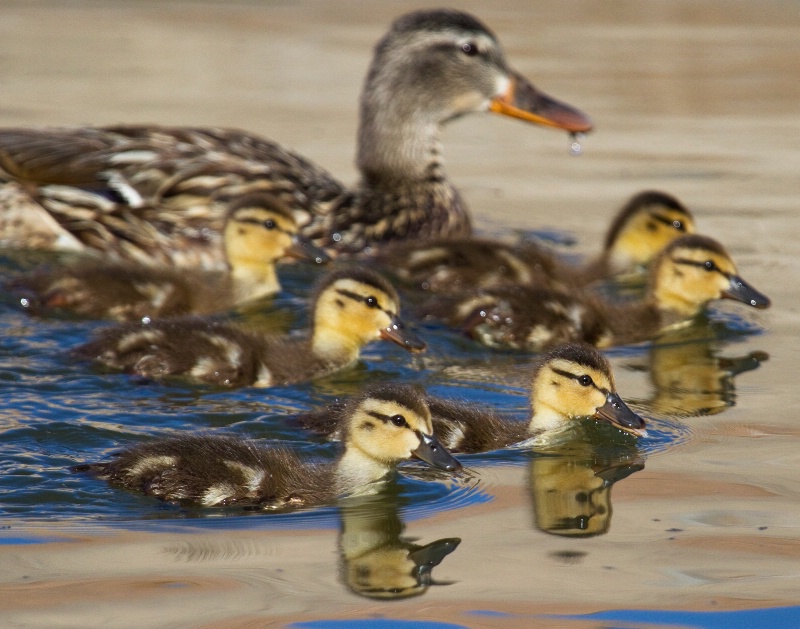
(408, 396)
(438, 20)
(357, 274)
(636, 204)
(579, 353)
(696, 241)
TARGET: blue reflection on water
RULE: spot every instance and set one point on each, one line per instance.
(774, 618)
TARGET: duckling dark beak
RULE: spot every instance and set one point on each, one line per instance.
(742, 291)
(435, 454)
(616, 412)
(398, 333)
(522, 100)
(303, 249)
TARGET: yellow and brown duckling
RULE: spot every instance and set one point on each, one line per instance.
(645, 225)
(571, 382)
(690, 273)
(259, 231)
(351, 307)
(385, 426)
(148, 192)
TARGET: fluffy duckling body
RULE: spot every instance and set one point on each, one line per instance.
(691, 272)
(154, 187)
(259, 231)
(647, 223)
(385, 426)
(351, 308)
(572, 381)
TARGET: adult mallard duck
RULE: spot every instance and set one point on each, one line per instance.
(690, 273)
(351, 308)
(570, 382)
(385, 426)
(646, 224)
(149, 193)
(259, 231)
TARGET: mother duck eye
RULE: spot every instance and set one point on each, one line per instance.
(585, 381)
(470, 49)
(398, 420)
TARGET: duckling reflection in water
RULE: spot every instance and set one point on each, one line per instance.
(387, 425)
(690, 377)
(431, 67)
(690, 273)
(570, 382)
(570, 486)
(259, 231)
(376, 560)
(351, 308)
(647, 223)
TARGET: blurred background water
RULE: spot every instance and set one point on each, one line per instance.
(698, 99)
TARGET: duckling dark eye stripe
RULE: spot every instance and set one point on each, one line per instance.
(670, 222)
(567, 374)
(253, 221)
(702, 265)
(377, 415)
(356, 297)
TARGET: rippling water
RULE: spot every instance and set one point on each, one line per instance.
(698, 99)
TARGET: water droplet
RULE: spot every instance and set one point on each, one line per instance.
(575, 147)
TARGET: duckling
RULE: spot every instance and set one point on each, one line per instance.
(646, 224)
(351, 307)
(258, 232)
(570, 382)
(691, 272)
(385, 426)
(148, 192)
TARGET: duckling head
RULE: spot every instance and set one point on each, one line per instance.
(388, 424)
(573, 381)
(354, 306)
(260, 230)
(695, 270)
(433, 66)
(644, 227)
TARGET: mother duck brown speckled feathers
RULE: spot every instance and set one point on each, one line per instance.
(149, 193)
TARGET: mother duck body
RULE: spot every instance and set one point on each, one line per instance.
(155, 194)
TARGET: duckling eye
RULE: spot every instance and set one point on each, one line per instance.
(372, 302)
(678, 225)
(269, 224)
(585, 381)
(710, 266)
(398, 420)
(470, 49)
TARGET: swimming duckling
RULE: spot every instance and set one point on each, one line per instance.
(351, 307)
(691, 272)
(259, 231)
(570, 382)
(144, 191)
(647, 223)
(386, 425)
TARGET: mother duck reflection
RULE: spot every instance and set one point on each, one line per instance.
(122, 182)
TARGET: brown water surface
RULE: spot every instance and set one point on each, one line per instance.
(700, 99)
